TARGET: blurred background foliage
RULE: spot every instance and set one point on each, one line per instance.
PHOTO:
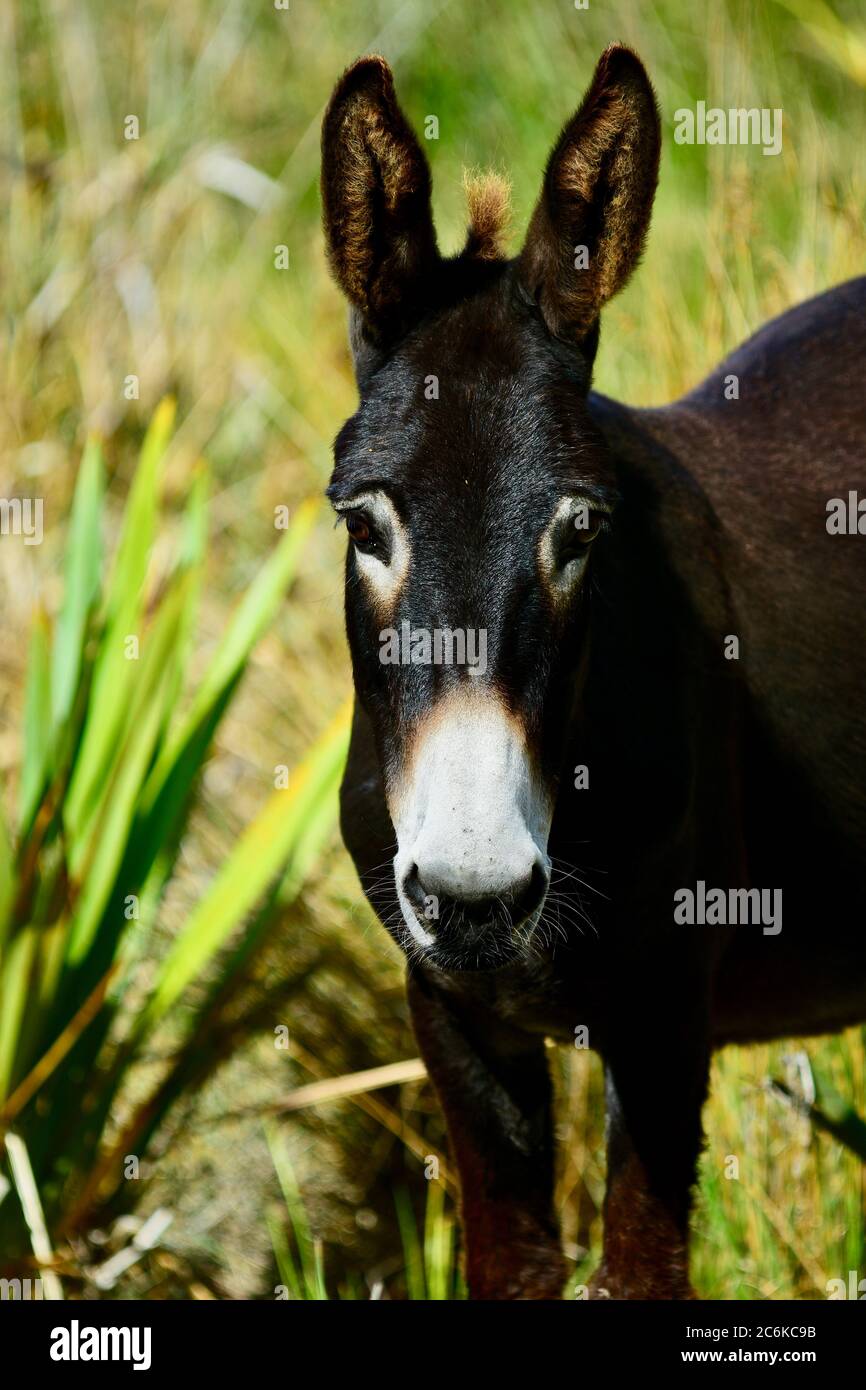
(254, 968)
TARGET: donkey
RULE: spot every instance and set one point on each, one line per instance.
(643, 815)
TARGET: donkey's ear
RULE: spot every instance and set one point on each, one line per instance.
(376, 201)
(589, 225)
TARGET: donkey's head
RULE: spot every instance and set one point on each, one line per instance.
(473, 486)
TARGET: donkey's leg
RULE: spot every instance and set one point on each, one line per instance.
(496, 1095)
(656, 1081)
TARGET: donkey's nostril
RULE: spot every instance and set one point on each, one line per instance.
(480, 912)
(533, 894)
(413, 888)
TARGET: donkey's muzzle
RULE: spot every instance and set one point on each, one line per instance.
(481, 931)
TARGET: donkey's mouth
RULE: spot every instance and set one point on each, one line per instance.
(472, 914)
(473, 936)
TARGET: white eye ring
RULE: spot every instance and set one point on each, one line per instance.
(385, 577)
(560, 576)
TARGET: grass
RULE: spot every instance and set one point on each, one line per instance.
(429, 1266)
(154, 259)
(109, 768)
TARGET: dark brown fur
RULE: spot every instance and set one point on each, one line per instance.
(598, 192)
(748, 772)
(376, 197)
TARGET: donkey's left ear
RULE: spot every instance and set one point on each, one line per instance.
(376, 202)
(589, 225)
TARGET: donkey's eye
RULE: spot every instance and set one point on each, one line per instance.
(363, 537)
(360, 531)
(580, 535)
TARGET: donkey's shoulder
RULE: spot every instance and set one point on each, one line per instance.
(733, 485)
(783, 414)
(819, 344)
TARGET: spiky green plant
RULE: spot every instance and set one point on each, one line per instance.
(113, 745)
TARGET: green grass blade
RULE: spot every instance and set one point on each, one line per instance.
(173, 777)
(311, 1285)
(81, 590)
(286, 1267)
(37, 724)
(104, 853)
(261, 853)
(15, 973)
(438, 1244)
(139, 519)
(253, 617)
(113, 676)
(305, 853)
(8, 879)
(192, 555)
(412, 1252)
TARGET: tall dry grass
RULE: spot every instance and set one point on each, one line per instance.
(155, 258)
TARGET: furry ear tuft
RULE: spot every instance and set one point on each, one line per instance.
(488, 199)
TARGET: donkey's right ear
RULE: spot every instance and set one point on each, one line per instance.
(376, 202)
